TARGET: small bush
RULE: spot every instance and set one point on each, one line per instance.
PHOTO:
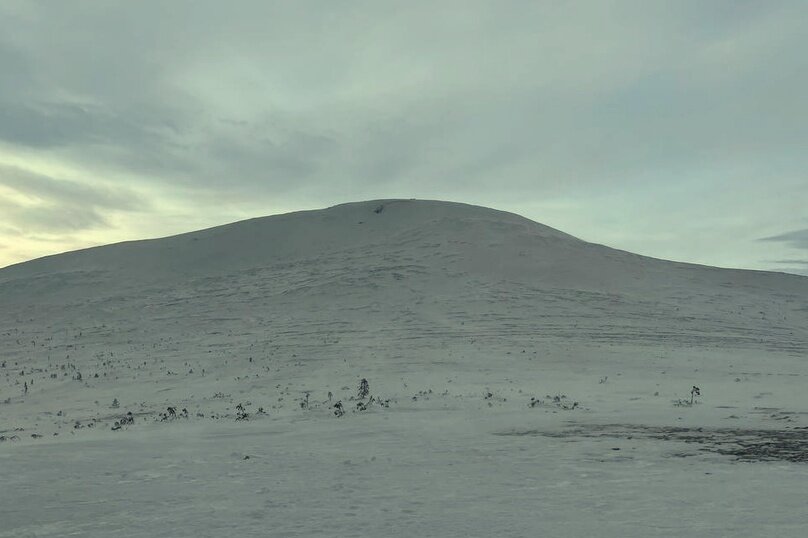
(338, 409)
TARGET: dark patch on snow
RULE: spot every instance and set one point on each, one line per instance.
(751, 445)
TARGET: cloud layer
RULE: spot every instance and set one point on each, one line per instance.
(796, 239)
(672, 129)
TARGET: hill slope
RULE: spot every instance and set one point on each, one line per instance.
(521, 378)
(365, 267)
(385, 288)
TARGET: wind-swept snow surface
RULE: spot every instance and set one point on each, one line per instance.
(522, 381)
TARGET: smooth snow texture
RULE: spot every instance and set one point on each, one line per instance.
(459, 316)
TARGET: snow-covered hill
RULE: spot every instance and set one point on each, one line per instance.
(469, 323)
(376, 275)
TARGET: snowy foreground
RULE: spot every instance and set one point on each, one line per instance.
(523, 383)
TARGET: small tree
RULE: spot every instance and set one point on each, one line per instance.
(115, 403)
(695, 391)
(305, 403)
(364, 389)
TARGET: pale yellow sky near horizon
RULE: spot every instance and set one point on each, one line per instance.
(167, 216)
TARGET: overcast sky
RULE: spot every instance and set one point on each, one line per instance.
(674, 129)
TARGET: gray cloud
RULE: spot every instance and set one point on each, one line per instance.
(62, 219)
(545, 94)
(795, 239)
(67, 192)
(71, 124)
(17, 70)
(61, 205)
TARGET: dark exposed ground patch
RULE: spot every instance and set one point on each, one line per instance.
(752, 445)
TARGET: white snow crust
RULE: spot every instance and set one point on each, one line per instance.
(531, 383)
